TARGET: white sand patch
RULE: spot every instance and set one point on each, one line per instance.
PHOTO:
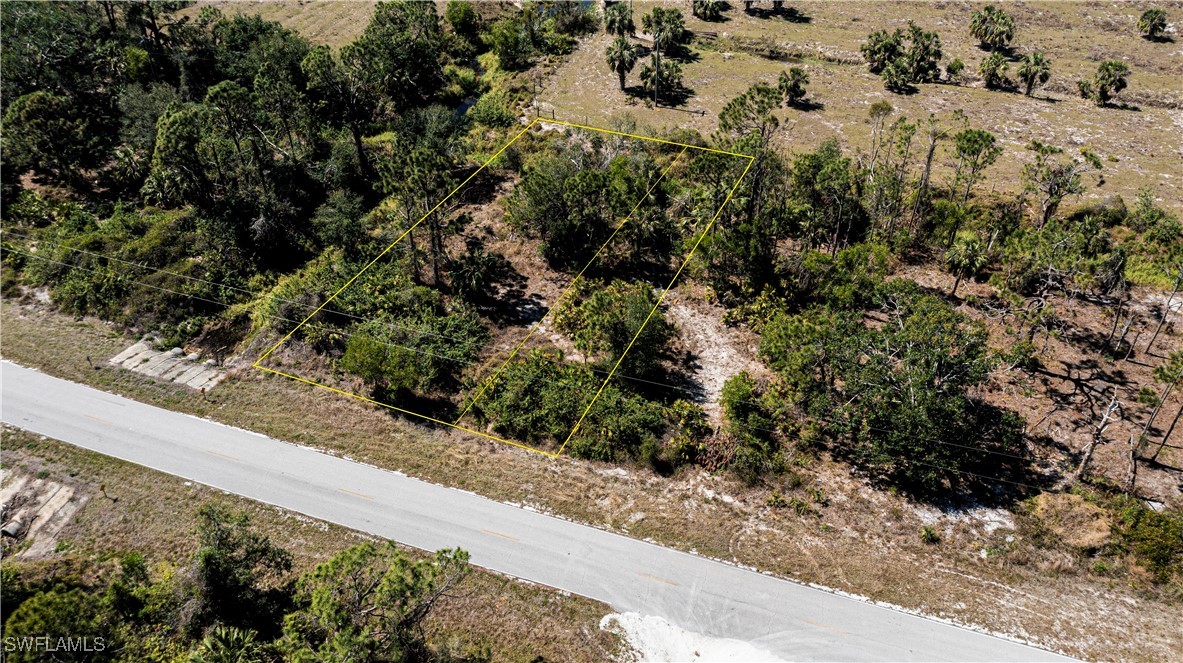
(655, 639)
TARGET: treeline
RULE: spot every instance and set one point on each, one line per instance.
(230, 149)
(235, 599)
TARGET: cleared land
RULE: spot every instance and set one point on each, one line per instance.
(1141, 145)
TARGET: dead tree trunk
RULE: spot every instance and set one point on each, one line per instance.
(1131, 473)
(1167, 435)
(1162, 399)
(1098, 436)
(1166, 313)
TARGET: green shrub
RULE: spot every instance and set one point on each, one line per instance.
(492, 110)
(540, 399)
(1155, 537)
(606, 319)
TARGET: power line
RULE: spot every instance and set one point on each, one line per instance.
(346, 334)
(391, 325)
(274, 316)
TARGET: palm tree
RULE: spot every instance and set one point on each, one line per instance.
(618, 20)
(622, 57)
(665, 25)
(227, 644)
(792, 85)
(992, 26)
(965, 257)
(707, 10)
(1153, 23)
(658, 74)
(1035, 68)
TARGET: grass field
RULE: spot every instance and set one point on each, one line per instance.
(332, 22)
(151, 512)
(1141, 146)
(1044, 595)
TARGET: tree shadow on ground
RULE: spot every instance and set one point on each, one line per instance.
(416, 408)
(511, 304)
(790, 14)
(807, 105)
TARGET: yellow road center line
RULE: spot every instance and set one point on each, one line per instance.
(98, 419)
(220, 455)
(656, 579)
(355, 494)
(828, 628)
(504, 536)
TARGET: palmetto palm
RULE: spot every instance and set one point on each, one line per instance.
(618, 20)
(665, 25)
(992, 26)
(966, 257)
(622, 57)
(1036, 68)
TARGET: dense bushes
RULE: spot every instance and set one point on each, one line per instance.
(895, 397)
(540, 399)
(604, 319)
(574, 209)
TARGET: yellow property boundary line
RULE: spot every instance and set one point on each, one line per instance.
(258, 362)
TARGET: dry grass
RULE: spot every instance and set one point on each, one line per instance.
(154, 513)
(861, 540)
(331, 22)
(1076, 36)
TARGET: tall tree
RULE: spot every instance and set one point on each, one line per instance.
(343, 94)
(976, 150)
(1053, 178)
(621, 56)
(752, 113)
(400, 53)
(618, 20)
(661, 77)
(231, 566)
(368, 602)
(666, 26)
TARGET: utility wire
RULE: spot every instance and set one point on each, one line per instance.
(594, 370)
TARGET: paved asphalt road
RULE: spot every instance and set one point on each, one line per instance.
(700, 595)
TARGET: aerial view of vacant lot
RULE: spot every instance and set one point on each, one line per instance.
(632, 331)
